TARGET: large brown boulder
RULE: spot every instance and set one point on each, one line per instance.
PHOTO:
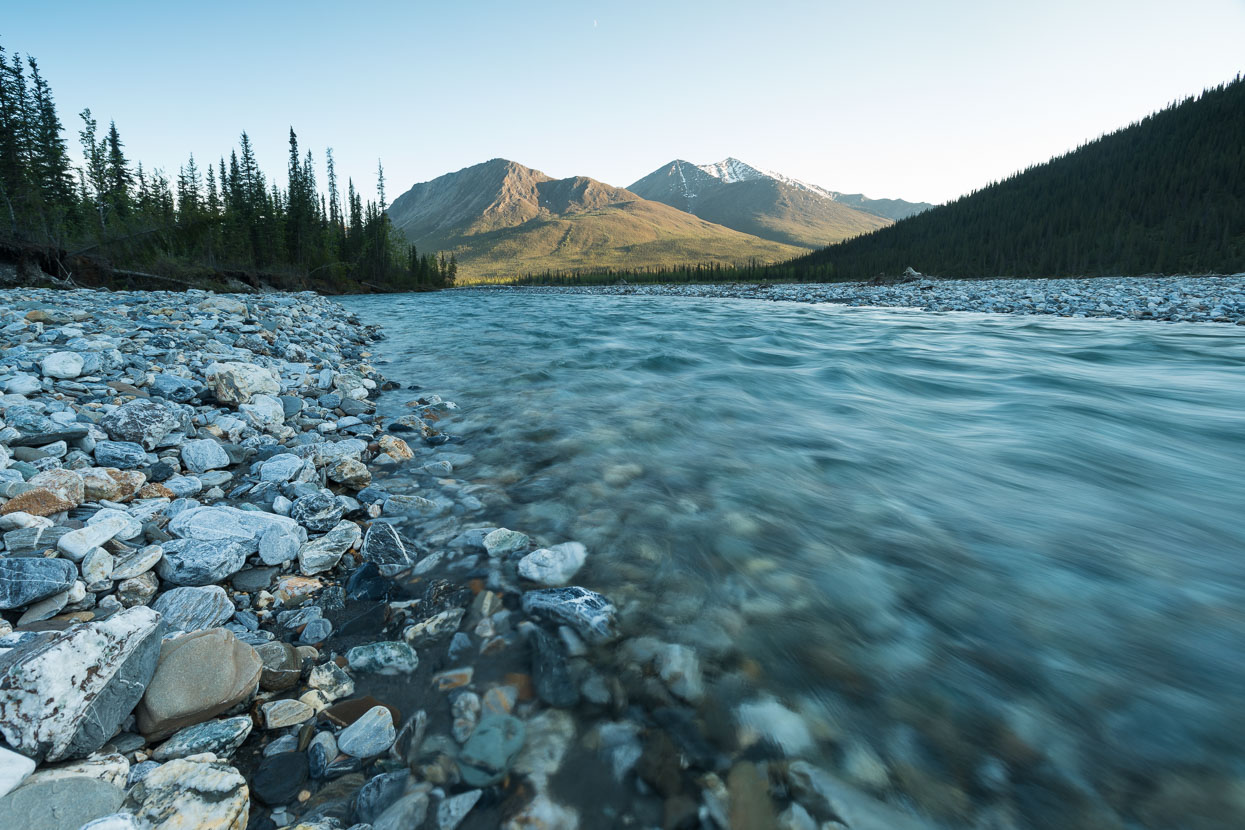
(199, 676)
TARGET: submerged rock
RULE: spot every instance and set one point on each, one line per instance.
(587, 612)
(491, 749)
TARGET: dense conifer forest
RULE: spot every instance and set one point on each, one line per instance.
(212, 223)
(1165, 195)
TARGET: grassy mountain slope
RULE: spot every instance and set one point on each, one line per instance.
(1164, 195)
(502, 219)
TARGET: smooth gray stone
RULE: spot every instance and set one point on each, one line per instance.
(408, 811)
(192, 562)
(280, 468)
(59, 803)
(278, 545)
(389, 658)
(204, 454)
(491, 749)
(452, 811)
(378, 794)
(28, 579)
(143, 421)
(370, 735)
(124, 455)
(228, 524)
(193, 609)
(590, 614)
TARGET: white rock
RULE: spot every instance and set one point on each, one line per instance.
(76, 544)
(14, 769)
(679, 668)
(767, 719)
(553, 566)
(62, 365)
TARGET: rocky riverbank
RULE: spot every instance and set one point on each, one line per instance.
(234, 595)
(1170, 299)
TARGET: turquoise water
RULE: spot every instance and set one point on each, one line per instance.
(1000, 558)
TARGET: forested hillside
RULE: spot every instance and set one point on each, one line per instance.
(1165, 195)
(220, 222)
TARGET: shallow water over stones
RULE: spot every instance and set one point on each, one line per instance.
(983, 564)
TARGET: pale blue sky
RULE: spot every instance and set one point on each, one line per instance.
(916, 100)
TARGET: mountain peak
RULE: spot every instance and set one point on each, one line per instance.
(731, 169)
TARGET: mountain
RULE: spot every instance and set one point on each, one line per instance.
(501, 219)
(769, 205)
(1163, 195)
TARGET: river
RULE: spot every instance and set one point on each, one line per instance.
(988, 566)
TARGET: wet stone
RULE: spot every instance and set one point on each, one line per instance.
(551, 672)
(491, 750)
(378, 794)
(451, 811)
(386, 658)
(590, 614)
(280, 777)
(370, 735)
(503, 541)
(382, 546)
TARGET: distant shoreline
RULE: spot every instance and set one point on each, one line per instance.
(1185, 299)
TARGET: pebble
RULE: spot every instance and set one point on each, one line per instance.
(491, 749)
(220, 737)
(590, 614)
(279, 714)
(554, 566)
(386, 658)
(368, 736)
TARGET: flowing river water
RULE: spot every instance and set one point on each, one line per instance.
(987, 566)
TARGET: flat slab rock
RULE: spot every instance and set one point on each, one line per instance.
(60, 803)
(229, 524)
(95, 672)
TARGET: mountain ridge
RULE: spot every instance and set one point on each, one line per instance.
(737, 195)
(501, 219)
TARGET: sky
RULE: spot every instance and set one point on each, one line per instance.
(920, 100)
